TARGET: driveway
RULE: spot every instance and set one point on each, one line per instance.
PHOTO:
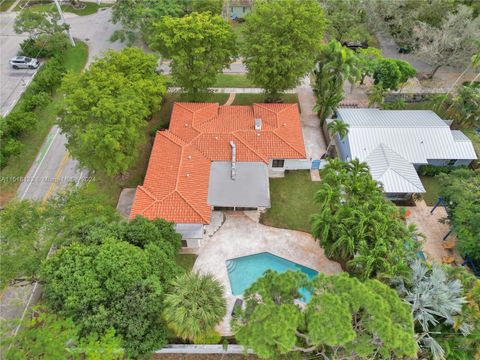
(315, 145)
(241, 236)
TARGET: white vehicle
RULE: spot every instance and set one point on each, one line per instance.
(23, 62)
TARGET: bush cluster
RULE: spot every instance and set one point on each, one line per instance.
(24, 117)
(44, 45)
(432, 170)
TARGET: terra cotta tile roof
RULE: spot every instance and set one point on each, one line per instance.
(176, 182)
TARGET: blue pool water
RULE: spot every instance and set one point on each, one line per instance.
(243, 271)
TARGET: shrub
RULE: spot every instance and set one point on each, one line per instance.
(19, 121)
(44, 45)
(49, 77)
(32, 101)
(10, 147)
(432, 170)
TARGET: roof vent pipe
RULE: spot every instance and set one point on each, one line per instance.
(234, 158)
(258, 124)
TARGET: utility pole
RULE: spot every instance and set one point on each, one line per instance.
(59, 8)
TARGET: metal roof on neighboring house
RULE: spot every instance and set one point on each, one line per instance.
(416, 135)
(396, 174)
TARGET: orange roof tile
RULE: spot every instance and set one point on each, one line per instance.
(176, 183)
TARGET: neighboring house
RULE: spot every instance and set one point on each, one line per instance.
(238, 8)
(218, 157)
(394, 143)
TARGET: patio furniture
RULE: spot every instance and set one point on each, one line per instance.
(448, 245)
(448, 259)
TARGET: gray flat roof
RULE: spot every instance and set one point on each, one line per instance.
(249, 189)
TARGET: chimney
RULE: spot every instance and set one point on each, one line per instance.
(234, 158)
(258, 124)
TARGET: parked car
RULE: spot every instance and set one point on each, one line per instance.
(24, 62)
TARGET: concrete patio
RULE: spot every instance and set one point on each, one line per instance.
(241, 236)
(430, 226)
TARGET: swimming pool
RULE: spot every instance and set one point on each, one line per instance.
(243, 271)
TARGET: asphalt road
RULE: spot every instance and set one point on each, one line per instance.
(13, 82)
(53, 168)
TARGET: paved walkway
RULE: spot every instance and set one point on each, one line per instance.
(430, 226)
(241, 236)
(315, 144)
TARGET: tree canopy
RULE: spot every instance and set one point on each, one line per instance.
(195, 305)
(137, 16)
(111, 285)
(461, 192)
(105, 109)
(356, 225)
(285, 49)
(343, 318)
(200, 45)
(22, 246)
(452, 43)
(336, 64)
(49, 336)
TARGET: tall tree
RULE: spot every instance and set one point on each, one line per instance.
(49, 336)
(356, 225)
(285, 49)
(344, 318)
(452, 43)
(195, 305)
(200, 45)
(336, 64)
(137, 16)
(21, 243)
(111, 285)
(461, 191)
(336, 128)
(212, 6)
(105, 109)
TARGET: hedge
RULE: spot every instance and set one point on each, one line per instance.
(432, 170)
(23, 117)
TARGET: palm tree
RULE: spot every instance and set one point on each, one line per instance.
(195, 305)
(336, 127)
(376, 95)
(336, 64)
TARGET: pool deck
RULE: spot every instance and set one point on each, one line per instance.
(241, 236)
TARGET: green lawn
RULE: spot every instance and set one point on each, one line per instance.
(75, 60)
(225, 80)
(136, 173)
(90, 8)
(248, 99)
(233, 81)
(432, 186)
(5, 5)
(292, 201)
(186, 261)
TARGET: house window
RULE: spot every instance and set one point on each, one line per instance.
(451, 162)
(278, 163)
(244, 9)
(231, 9)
